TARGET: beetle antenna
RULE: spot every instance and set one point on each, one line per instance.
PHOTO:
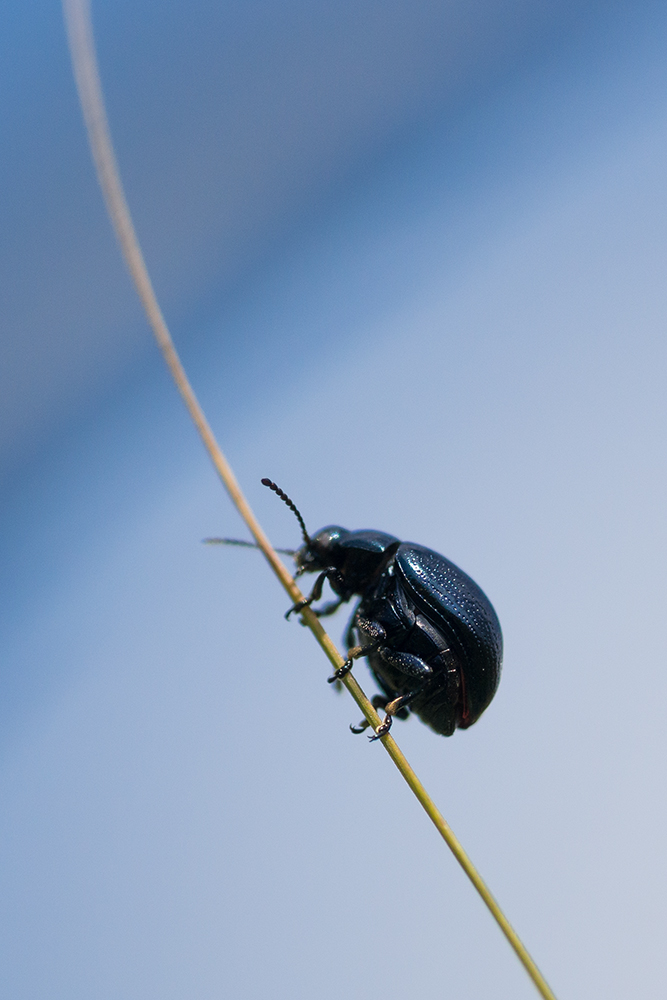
(292, 506)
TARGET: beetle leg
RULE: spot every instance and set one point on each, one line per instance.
(315, 595)
(411, 666)
(371, 628)
(328, 609)
(407, 663)
(348, 638)
(378, 701)
(352, 654)
(358, 651)
(341, 672)
(392, 708)
(330, 573)
(374, 630)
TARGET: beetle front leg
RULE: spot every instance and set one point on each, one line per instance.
(328, 609)
(331, 573)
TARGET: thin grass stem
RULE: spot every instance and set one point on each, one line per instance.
(84, 61)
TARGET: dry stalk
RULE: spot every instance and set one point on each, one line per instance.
(84, 61)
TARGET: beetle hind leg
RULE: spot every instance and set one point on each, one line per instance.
(392, 708)
(379, 702)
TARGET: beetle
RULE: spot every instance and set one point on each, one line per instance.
(431, 636)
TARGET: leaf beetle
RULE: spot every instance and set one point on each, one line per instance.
(431, 636)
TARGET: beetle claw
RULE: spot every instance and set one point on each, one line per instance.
(299, 606)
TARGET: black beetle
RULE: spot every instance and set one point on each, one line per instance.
(431, 635)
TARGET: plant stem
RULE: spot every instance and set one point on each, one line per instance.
(84, 61)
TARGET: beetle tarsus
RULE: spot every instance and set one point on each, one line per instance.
(299, 606)
(315, 595)
(341, 672)
(379, 702)
(392, 708)
(382, 729)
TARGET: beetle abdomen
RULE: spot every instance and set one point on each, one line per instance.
(464, 614)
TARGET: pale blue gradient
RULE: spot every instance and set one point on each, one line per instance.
(450, 326)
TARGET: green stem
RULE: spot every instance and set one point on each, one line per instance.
(84, 61)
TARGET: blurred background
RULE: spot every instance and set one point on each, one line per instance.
(413, 255)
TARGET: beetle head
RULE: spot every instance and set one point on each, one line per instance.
(316, 553)
(321, 551)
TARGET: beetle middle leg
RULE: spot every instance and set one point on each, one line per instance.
(352, 654)
(348, 638)
(377, 634)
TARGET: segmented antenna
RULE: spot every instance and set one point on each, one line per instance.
(292, 506)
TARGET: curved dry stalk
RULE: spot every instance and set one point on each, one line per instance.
(84, 61)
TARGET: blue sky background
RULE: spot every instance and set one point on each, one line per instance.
(413, 256)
